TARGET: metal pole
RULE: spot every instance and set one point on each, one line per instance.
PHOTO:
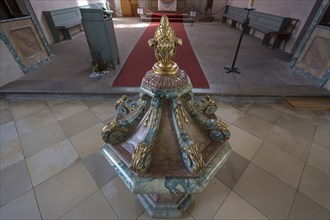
(245, 26)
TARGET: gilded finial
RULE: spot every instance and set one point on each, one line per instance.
(164, 44)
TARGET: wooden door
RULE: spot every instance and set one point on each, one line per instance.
(126, 8)
(129, 8)
(134, 7)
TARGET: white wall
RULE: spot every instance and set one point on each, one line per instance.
(116, 7)
(9, 68)
(286, 8)
(48, 5)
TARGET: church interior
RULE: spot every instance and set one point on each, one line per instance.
(67, 67)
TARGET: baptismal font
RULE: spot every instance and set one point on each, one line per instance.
(165, 146)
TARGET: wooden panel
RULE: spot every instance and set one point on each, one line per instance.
(315, 58)
(312, 103)
(100, 34)
(25, 40)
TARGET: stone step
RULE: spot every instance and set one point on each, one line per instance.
(168, 14)
(149, 19)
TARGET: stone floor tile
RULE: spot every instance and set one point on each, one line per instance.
(105, 110)
(232, 170)
(289, 142)
(241, 106)
(34, 121)
(10, 153)
(15, 181)
(243, 142)
(79, 122)
(322, 136)
(208, 202)
(145, 216)
(325, 119)
(23, 207)
(254, 125)
(92, 102)
(52, 102)
(94, 207)
(305, 208)
(282, 165)
(315, 185)
(119, 196)
(42, 138)
(325, 115)
(66, 109)
(51, 161)
(269, 195)
(4, 104)
(8, 132)
(99, 168)
(228, 113)
(319, 158)
(28, 107)
(88, 141)
(235, 207)
(268, 112)
(63, 192)
(6, 116)
(297, 125)
(309, 115)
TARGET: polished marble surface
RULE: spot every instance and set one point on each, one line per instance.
(56, 170)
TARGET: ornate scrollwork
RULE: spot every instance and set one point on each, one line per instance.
(125, 105)
(114, 133)
(207, 105)
(219, 131)
(141, 158)
(193, 159)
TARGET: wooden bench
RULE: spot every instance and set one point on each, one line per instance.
(265, 23)
(235, 14)
(282, 36)
(61, 21)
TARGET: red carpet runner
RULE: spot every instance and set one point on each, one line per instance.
(142, 59)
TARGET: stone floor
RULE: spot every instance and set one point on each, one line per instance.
(264, 72)
(51, 166)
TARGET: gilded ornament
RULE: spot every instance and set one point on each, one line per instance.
(147, 119)
(154, 118)
(141, 158)
(164, 44)
(183, 114)
(113, 133)
(196, 159)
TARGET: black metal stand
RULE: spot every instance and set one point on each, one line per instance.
(192, 15)
(245, 27)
